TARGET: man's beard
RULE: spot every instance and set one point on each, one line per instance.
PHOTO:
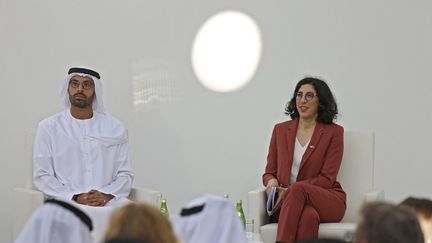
(81, 103)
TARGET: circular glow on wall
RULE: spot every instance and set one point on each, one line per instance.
(226, 51)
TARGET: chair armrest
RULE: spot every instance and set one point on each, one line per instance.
(375, 195)
(26, 201)
(145, 195)
(257, 208)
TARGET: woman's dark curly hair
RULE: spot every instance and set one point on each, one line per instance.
(327, 108)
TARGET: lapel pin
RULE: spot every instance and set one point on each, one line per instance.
(312, 146)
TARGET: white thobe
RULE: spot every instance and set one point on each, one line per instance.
(73, 156)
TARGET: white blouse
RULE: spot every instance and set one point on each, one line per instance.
(299, 150)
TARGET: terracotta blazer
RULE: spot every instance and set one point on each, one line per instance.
(320, 163)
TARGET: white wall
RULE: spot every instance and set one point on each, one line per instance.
(187, 140)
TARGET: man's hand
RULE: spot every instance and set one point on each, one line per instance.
(93, 198)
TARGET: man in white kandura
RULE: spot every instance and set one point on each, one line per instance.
(81, 153)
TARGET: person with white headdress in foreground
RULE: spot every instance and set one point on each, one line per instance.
(210, 219)
(81, 153)
(57, 221)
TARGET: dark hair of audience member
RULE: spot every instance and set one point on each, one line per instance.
(383, 222)
(423, 210)
(420, 205)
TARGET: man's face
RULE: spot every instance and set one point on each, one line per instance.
(81, 91)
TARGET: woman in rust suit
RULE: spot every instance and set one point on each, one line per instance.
(304, 158)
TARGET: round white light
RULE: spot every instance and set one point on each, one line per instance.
(226, 51)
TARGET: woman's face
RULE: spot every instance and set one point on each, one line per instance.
(307, 102)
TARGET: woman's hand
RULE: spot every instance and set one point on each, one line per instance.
(271, 183)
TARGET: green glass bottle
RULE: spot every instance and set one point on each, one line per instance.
(240, 213)
(164, 207)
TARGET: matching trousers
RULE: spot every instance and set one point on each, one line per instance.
(304, 207)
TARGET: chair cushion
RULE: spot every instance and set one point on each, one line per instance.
(342, 231)
(268, 233)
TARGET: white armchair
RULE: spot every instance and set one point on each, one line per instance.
(27, 199)
(356, 176)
